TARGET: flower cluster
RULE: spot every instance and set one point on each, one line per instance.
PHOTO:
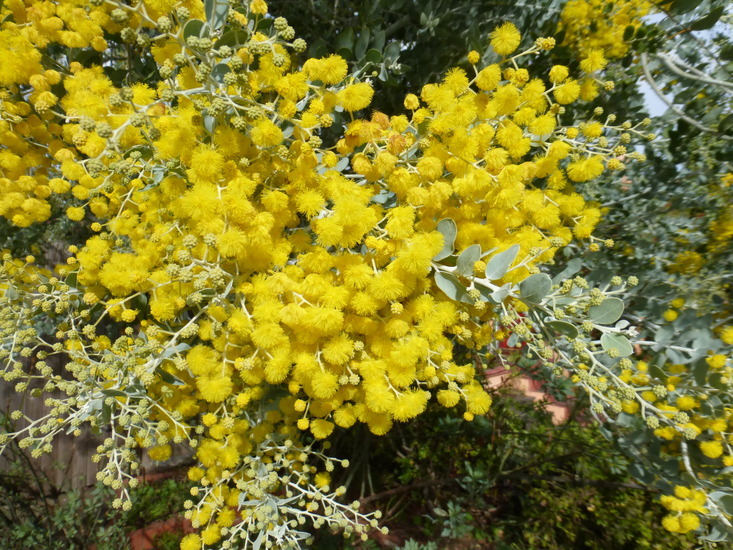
(599, 24)
(253, 283)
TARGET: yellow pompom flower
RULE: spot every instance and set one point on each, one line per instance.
(329, 70)
(411, 102)
(594, 61)
(266, 134)
(711, 449)
(214, 390)
(191, 541)
(716, 361)
(567, 93)
(75, 213)
(558, 74)
(356, 96)
(505, 39)
(585, 169)
(670, 315)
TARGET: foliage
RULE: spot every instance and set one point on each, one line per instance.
(37, 514)
(257, 267)
(509, 480)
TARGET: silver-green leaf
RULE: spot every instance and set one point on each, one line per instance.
(449, 283)
(499, 264)
(535, 287)
(216, 13)
(449, 230)
(617, 341)
(563, 327)
(607, 312)
(467, 259)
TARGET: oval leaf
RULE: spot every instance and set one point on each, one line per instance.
(449, 231)
(618, 341)
(724, 500)
(708, 21)
(448, 283)
(218, 72)
(195, 27)
(216, 12)
(467, 258)
(499, 264)
(564, 328)
(607, 312)
(535, 287)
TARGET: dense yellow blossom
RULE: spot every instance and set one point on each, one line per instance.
(269, 282)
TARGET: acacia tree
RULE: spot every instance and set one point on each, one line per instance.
(264, 260)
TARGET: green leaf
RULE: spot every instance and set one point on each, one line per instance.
(106, 413)
(218, 72)
(209, 123)
(373, 56)
(168, 352)
(195, 27)
(216, 13)
(362, 42)
(448, 283)
(708, 21)
(684, 6)
(11, 293)
(449, 231)
(716, 381)
(468, 257)
(499, 264)
(168, 378)
(114, 393)
(629, 32)
(725, 126)
(618, 341)
(392, 51)
(717, 533)
(236, 37)
(700, 372)
(71, 280)
(345, 40)
(563, 327)
(378, 40)
(607, 312)
(535, 287)
(724, 500)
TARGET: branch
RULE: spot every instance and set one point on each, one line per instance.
(674, 108)
(674, 64)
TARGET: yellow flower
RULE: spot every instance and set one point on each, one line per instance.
(329, 70)
(670, 315)
(356, 96)
(411, 102)
(258, 6)
(711, 449)
(489, 77)
(585, 169)
(558, 74)
(266, 134)
(505, 39)
(567, 92)
(191, 542)
(716, 361)
(75, 213)
(594, 61)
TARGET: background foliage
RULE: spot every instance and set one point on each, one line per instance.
(671, 222)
